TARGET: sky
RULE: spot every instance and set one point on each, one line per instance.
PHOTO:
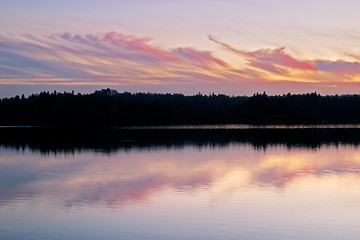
(235, 47)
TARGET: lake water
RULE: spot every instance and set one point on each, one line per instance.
(211, 190)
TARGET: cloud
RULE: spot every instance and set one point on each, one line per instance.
(110, 57)
(278, 57)
(126, 60)
(227, 46)
(278, 61)
(200, 58)
(269, 59)
(339, 67)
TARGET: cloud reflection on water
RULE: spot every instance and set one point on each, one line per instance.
(134, 176)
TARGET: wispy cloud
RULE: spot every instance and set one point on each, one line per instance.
(339, 67)
(278, 61)
(111, 57)
(119, 59)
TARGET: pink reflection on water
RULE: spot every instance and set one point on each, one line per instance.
(138, 175)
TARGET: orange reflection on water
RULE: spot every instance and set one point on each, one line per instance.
(128, 177)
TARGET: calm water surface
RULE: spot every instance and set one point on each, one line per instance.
(231, 191)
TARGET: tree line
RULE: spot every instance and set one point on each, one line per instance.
(108, 107)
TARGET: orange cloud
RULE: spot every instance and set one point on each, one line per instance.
(269, 60)
(118, 59)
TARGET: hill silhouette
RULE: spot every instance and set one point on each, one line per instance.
(107, 107)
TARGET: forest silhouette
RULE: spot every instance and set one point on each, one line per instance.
(107, 107)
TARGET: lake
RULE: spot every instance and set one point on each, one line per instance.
(171, 185)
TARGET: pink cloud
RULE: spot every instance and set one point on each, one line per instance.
(278, 61)
(110, 57)
(281, 58)
(269, 59)
(200, 57)
(119, 59)
(138, 44)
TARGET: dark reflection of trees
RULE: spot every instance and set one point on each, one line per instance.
(107, 141)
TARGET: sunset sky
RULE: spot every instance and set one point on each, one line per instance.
(236, 47)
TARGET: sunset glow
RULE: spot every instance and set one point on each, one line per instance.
(175, 46)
